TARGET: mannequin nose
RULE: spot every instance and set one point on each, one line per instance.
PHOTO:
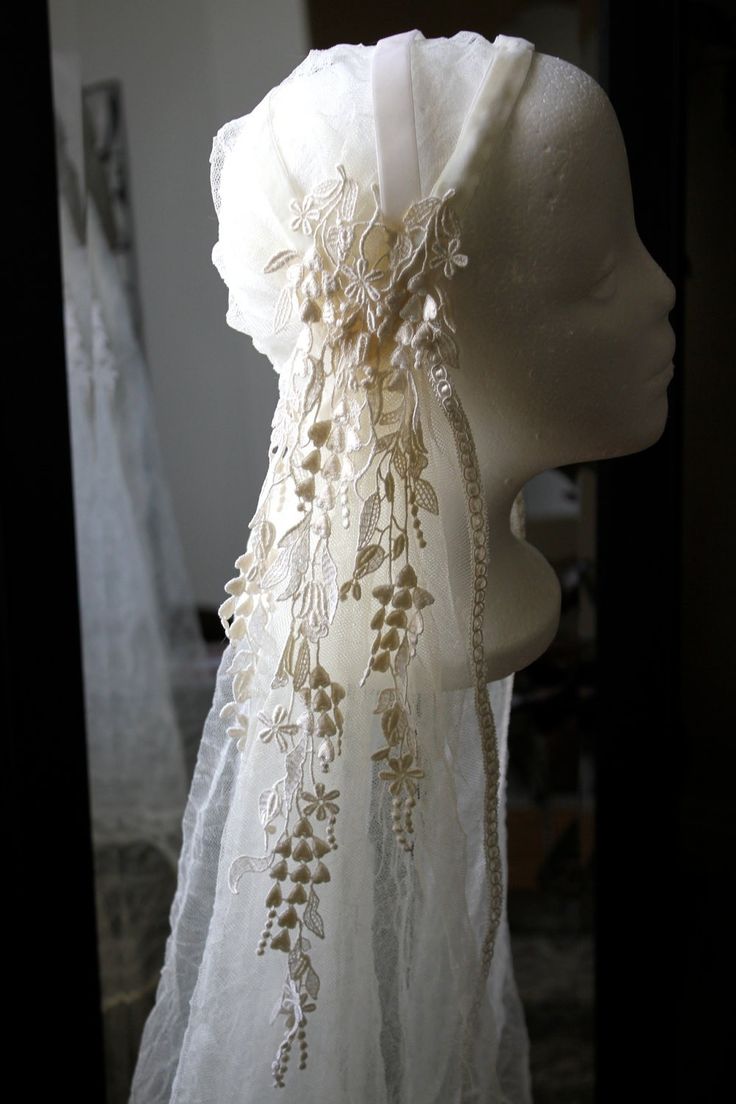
(668, 291)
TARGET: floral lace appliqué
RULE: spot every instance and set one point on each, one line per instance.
(348, 447)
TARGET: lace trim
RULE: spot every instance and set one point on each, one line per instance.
(347, 431)
(477, 521)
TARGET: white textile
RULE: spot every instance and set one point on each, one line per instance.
(339, 932)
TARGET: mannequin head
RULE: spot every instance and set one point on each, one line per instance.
(563, 313)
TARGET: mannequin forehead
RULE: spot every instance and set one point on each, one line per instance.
(558, 199)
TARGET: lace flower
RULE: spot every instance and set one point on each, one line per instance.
(401, 774)
(449, 255)
(361, 283)
(321, 803)
(276, 728)
(306, 215)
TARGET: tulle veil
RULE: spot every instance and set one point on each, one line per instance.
(339, 931)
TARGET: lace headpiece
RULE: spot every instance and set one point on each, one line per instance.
(360, 881)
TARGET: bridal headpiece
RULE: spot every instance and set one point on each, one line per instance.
(353, 821)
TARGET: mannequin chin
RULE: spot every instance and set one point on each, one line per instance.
(564, 338)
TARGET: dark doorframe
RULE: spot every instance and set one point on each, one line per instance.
(643, 900)
(54, 1004)
(639, 897)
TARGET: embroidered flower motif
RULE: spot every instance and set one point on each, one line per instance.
(306, 216)
(276, 728)
(362, 280)
(449, 255)
(321, 803)
(402, 774)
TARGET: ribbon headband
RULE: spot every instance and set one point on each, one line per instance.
(395, 123)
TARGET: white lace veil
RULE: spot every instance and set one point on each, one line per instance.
(339, 929)
(146, 683)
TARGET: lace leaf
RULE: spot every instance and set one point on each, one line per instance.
(329, 576)
(369, 518)
(246, 864)
(369, 559)
(347, 204)
(312, 918)
(286, 256)
(426, 496)
(311, 983)
(269, 804)
(284, 308)
(301, 668)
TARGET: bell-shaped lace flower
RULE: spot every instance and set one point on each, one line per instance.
(339, 238)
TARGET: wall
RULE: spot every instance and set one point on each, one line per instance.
(187, 67)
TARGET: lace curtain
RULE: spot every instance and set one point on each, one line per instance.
(147, 678)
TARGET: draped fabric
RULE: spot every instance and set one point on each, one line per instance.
(147, 680)
(339, 931)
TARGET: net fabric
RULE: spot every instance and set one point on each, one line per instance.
(264, 163)
(330, 933)
(146, 684)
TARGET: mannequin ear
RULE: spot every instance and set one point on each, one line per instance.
(518, 516)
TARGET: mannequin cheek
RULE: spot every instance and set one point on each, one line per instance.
(606, 344)
(593, 375)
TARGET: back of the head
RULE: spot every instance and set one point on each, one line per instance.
(322, 115)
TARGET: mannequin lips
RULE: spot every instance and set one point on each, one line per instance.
(667, 370)
(668, 366)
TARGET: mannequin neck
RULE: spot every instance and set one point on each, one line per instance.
(523, 596)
